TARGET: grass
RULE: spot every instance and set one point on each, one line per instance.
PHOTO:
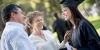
(96, 23)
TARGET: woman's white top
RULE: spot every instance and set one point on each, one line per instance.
(49, 44)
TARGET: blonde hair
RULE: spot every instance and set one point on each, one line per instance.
(31, 15)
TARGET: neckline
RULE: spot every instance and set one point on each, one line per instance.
(40, 37)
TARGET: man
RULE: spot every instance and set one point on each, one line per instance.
(59, 26)
(14, 37)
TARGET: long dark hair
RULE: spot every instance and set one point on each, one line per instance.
(77, 16)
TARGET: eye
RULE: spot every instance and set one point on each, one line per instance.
(65, 10)
(38, 20)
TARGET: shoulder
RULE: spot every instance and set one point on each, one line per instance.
(47, 32)
(9, 31)
(61, 20)
(32, 37)
(16, 30)
(84, 23)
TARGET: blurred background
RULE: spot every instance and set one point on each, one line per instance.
(89, 8)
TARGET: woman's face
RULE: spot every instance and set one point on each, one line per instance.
(66, 13)
(37, 23)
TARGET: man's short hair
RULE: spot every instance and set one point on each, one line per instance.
(6, 11)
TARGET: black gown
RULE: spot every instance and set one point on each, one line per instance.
(59, 26)
(85, 37)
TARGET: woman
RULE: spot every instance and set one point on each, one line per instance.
(83, 34)
(42, 39)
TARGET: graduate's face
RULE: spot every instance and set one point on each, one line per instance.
(18, 17)
(66, 13)
(37, 23)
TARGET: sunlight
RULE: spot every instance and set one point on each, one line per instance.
(98, 30)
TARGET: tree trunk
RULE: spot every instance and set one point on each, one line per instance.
(1, 22)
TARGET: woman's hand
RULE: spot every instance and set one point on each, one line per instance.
(67, 35)
(73, 48)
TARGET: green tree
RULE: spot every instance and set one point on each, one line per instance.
(1, 22)
(98, 6)
(91, 2)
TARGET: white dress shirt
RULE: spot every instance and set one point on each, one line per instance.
(49, 44)
(14, 37)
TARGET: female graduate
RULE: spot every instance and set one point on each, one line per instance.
(83, 34)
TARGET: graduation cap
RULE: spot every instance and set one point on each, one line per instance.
(74, 3)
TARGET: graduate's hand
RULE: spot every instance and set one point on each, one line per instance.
(73, 48)
(67, 35)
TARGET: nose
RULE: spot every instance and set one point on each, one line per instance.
(63, 14)
(41, 21)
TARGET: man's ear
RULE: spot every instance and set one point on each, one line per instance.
(12, 14)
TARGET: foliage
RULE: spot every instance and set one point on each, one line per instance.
(47, 7)
(90, 2)
(96, 23)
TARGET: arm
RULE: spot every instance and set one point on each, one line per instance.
(20, 41)
(61, 45)
(65, 41)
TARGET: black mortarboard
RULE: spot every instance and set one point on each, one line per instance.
(74, 3)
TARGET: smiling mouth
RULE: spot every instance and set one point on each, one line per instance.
(66, 17)
(40, 25)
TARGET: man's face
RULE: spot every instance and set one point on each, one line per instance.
(19, 17)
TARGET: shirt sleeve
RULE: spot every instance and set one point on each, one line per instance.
(68, 46)
(61, 45)
(20, 41)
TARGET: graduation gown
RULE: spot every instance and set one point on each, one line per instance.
(85, 37)
(59, 26)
